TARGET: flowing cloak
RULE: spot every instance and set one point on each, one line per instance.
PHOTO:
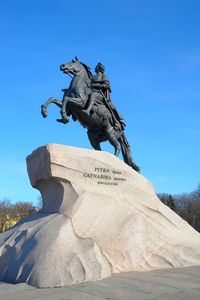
(103, 86)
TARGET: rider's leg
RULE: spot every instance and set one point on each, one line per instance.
(91, 101)
(94, 140)
(110, 134)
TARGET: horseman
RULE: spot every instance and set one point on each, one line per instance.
(88, 100)
(100, 83)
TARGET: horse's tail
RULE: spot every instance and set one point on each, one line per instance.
(126, 152)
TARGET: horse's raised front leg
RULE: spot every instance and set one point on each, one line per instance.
(44, 106)
(65, 118)
(79, 102)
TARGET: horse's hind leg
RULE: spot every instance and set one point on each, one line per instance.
(44, 106)
(94, 140)
(110, 134)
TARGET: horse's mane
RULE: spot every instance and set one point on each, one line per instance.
(87, 69)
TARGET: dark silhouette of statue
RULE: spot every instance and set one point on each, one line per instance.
(100, 83)
(88, 100)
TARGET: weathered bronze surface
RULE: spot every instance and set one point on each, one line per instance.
(88, 100)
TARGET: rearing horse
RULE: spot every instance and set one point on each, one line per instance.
(98, 123)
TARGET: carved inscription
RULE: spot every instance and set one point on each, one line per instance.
(106, 176)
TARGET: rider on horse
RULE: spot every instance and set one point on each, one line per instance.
(100, 83)
(88, 100)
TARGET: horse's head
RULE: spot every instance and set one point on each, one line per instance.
(74, 67)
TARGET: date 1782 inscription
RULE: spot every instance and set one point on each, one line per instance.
(105, 176)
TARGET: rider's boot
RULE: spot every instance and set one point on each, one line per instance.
(87, 111)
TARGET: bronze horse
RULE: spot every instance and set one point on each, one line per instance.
(99, 125)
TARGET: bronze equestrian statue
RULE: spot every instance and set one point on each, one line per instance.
(88, 100)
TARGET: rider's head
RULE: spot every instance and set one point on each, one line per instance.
(100, 67)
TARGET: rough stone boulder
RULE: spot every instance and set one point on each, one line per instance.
(99, 217)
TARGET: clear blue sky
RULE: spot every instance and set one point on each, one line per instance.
(151, 51)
